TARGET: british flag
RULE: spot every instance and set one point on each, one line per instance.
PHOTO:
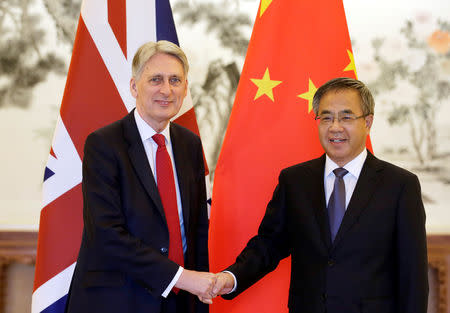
(96, 93)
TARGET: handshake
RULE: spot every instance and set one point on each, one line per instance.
(206, 286)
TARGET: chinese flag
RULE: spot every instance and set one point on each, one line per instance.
(295, 47)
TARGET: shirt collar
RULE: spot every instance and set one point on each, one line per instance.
(354, 167)
(146, 131)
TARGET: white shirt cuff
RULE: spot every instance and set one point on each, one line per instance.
(173, 282)
(235, 281)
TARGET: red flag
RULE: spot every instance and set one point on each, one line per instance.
(295, 47)
(97, 93)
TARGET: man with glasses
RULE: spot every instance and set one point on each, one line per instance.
(354, 225)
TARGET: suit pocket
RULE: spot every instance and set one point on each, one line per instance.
(377, 305)
(103, 279)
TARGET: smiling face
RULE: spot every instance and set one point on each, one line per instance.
(159, 90)
(342, 143)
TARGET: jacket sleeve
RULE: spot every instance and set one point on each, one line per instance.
(412, 267)
(264, 251)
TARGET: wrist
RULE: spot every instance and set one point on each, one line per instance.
(184, 279)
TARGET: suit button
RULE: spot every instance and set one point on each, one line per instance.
(163, 250)
(331, 262)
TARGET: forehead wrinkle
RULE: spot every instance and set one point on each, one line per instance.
(345, 111)
(148, 70)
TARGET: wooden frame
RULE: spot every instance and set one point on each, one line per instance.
(15, 247)
(439, 259)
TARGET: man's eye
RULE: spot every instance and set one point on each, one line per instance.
(156, 80)
(175, 81)
(326, 119)
(346, 118)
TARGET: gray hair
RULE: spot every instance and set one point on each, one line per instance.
(343, 83)
(149, 49)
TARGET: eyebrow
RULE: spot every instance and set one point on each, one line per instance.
(340, 112)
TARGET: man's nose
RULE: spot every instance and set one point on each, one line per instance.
(165, 87)
(335, 125)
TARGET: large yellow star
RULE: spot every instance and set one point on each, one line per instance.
(265, 85)
(309, 95)
(351, 66)
(264, 5)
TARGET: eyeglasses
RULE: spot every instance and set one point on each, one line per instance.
(343, 118)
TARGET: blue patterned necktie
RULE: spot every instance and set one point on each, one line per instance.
(336, 204)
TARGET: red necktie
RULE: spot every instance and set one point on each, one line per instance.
(167, 192)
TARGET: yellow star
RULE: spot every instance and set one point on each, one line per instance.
(309, 95)
(351, 66)
(265, 85)
(264, 5)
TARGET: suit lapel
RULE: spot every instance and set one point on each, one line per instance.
(364, 189)
(318, 197)
(180, 150)
(138, 159)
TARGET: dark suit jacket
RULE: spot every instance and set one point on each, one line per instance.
(378, 261)
(123, 263)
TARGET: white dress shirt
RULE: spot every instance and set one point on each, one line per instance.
(146, 132)
(353, 167)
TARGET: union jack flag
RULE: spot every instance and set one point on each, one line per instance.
(96, 94)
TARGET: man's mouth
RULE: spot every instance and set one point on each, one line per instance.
(163, 102)
(337, 140)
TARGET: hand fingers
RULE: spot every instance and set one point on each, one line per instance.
(212, 294)
(225, 290)
(205, 300)
(213, 282)
(217, 287)
(207, 292)
(220, 286)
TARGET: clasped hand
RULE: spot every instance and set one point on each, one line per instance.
(206, 286)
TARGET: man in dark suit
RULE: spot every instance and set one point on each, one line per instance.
(354, 225)
(140, 174)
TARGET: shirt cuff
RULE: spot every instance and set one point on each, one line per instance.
(235, 282)
(173, 282)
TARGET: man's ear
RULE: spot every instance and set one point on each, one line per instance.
(133, 87)
(369, 121)
(187, 86)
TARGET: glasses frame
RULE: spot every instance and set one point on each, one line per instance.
(352, 120)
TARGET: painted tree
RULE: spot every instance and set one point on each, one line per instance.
(213, 99)
(64, 14)
(429, 80)
(23, 60)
